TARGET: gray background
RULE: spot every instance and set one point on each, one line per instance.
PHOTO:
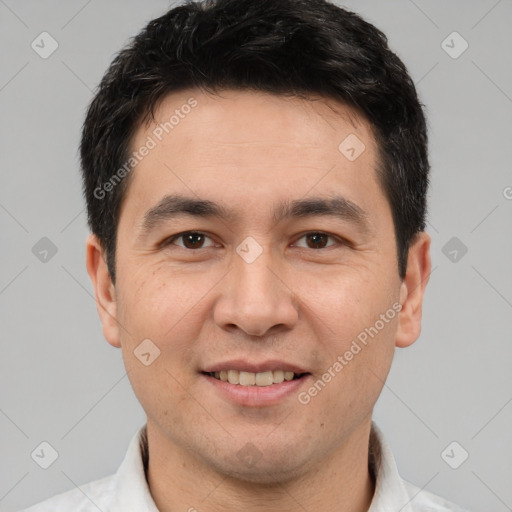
(62, 383)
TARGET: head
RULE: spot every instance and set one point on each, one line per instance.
(289, 139)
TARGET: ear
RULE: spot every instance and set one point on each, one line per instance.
(412, 290)
(104, 290)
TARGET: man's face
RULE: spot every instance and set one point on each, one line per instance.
(257, 291)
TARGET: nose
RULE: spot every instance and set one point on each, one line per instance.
(256, 297)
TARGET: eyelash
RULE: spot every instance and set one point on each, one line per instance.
(170, 240)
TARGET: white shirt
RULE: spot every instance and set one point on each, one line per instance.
(127, 490)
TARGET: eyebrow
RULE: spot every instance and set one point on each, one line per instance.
(172, 206)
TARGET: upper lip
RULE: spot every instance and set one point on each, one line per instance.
(253, 367)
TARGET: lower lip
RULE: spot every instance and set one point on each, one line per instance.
(257, 396)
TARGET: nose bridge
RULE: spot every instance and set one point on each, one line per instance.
(254, 277)
(255, 299)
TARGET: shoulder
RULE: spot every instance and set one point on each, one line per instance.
(88, 497)
(424, 501)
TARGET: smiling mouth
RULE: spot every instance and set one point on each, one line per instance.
(260, 379)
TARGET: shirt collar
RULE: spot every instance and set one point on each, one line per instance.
(132, 489)
(390, 491)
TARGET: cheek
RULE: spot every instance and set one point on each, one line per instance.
(347, 300)
(157, 301)
(161, 310)
(355, 324)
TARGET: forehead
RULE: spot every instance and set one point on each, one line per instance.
(247, 147)
(254, 116)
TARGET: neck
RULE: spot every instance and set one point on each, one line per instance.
(341, 482)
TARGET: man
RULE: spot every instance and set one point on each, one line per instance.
(256, 177)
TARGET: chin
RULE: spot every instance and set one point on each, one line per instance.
(251, 466)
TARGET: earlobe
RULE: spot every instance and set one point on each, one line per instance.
(412, 290)
(104, 290)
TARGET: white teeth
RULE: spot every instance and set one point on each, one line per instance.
(233, 377)
(254, 379)
(264, 379)
(278, 376)
(247, 378)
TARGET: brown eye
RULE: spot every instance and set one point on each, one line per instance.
(316, 240)
(193, 240)
(190, 240)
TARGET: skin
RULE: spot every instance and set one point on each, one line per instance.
(295, 302)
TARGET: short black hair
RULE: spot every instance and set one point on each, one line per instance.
(284, 47)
